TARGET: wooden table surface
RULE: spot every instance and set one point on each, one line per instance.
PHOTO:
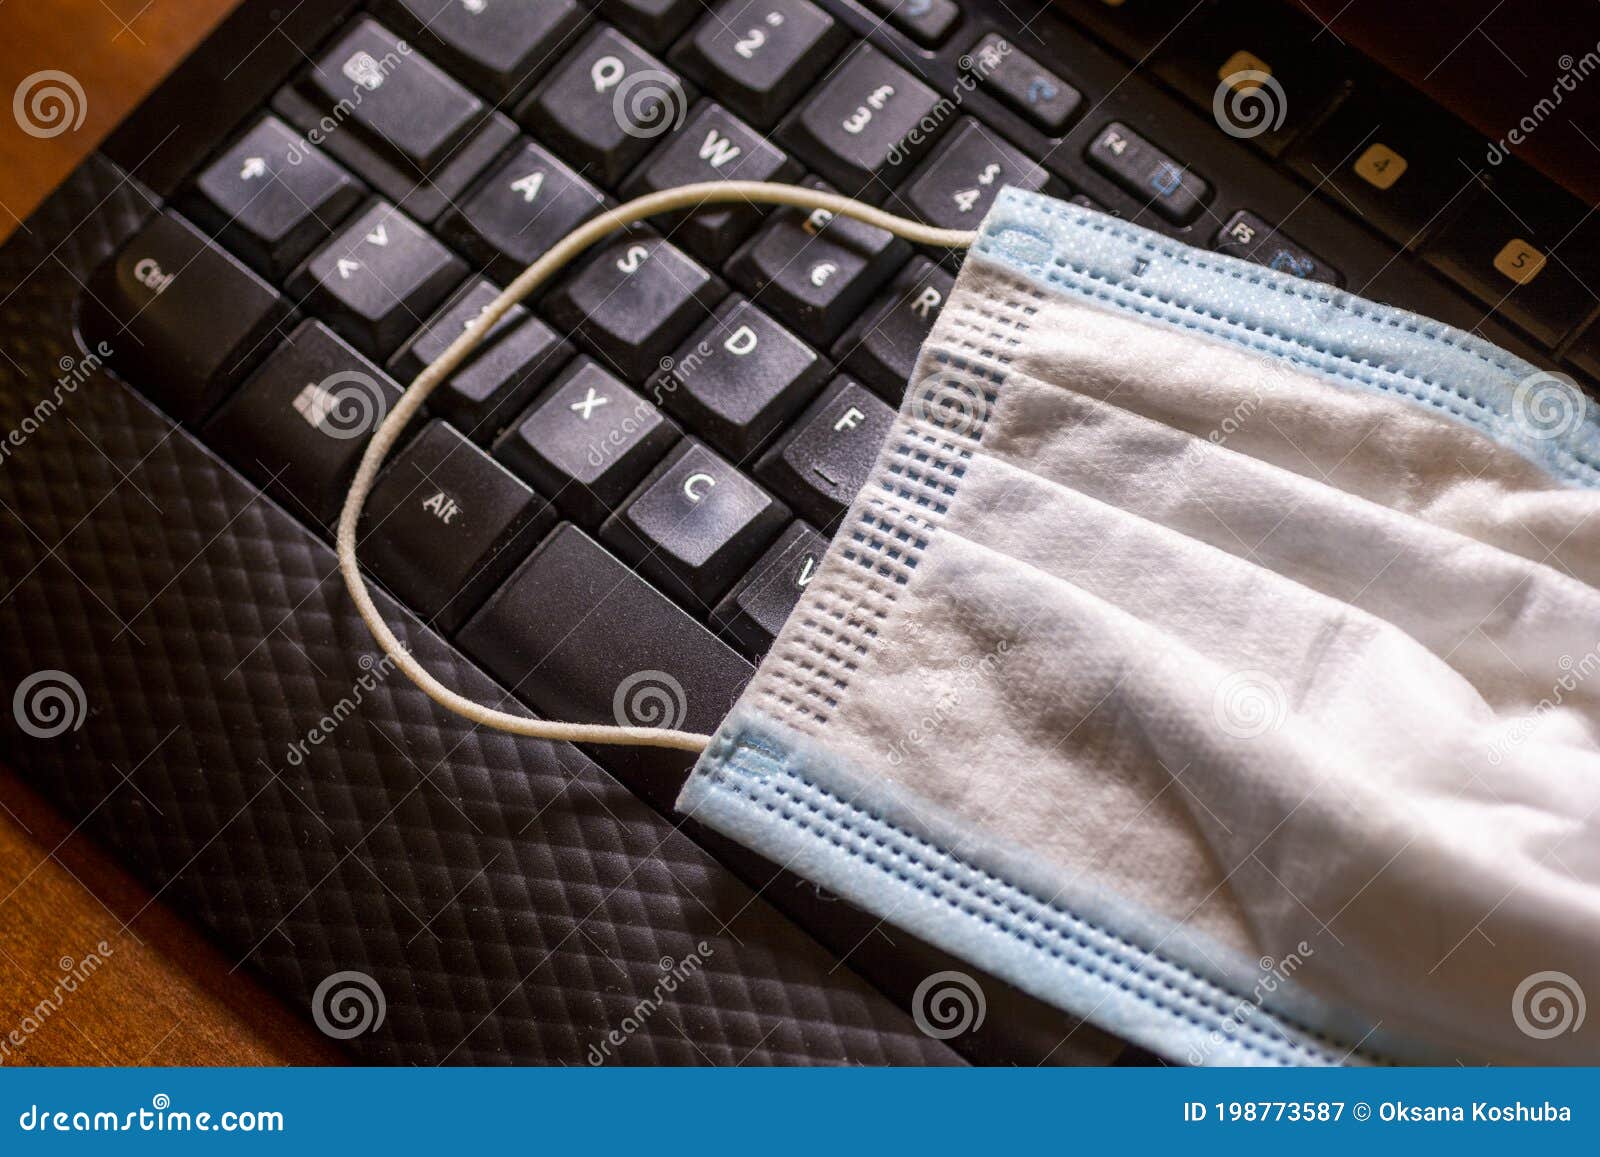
(115, 51)
(92, 972)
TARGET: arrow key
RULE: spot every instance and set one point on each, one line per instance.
(272, 198)
(755, 610)
(694, 526)
(379, 279)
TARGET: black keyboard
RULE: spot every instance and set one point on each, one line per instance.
(642, 467)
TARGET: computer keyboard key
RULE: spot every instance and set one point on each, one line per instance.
(1248, 237)
(827, 455)
(183, 318)
(866, 125)
(1584, 354)
(754, 612)
(446, 524)
(1529, 252)
(404, 104)
(634, 302)
(498, 380)
(655, 23)
(758, 56)
(520, 210)
(606, 104)
(882, 347)
(1396, 160)
(926, 21)
(271, 198)
(499, 46)
(956, 185)
(1025, 84)
(714, 145)
(378, 278)
(577, 635)
(1147, 173)
(694, 526)
(299, 425)
(586, 442)
(737, 379)
(1282, 67)
(816, 272)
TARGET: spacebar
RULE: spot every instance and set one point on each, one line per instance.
(578, 636)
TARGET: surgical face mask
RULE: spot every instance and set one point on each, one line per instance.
(1212, 654)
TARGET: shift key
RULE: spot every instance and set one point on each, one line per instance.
(578, 636)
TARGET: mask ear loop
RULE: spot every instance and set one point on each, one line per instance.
(388, 432)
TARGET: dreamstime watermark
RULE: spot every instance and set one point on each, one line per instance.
(1573, 73)
(347, 1004)
(74, 372)
(969, 675)
(621, 434)
(73, 975)
(1546, 406)
(374, 672)
(367, 73)
(646, 104)
(160, 1117)
(1574, 673)
(947, 1004)
(1275, 973)
(1249, 704)
(49, 103)
(346, 404)
(673, 974)
(650, 699)
(49, 703)
(951, 402)
(973, 72)
(1248, 103)
(1547, 1004)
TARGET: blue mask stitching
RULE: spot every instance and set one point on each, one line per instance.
(1213, 996)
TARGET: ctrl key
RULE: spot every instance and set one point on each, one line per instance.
(183, 319)
(446, 523)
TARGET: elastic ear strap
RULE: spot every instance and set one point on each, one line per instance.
(580, 239)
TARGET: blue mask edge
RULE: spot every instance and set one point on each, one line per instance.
(1333, 334)
(776, 790)
(1142, 977)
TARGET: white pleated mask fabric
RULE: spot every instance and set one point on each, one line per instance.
(1213, 654)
